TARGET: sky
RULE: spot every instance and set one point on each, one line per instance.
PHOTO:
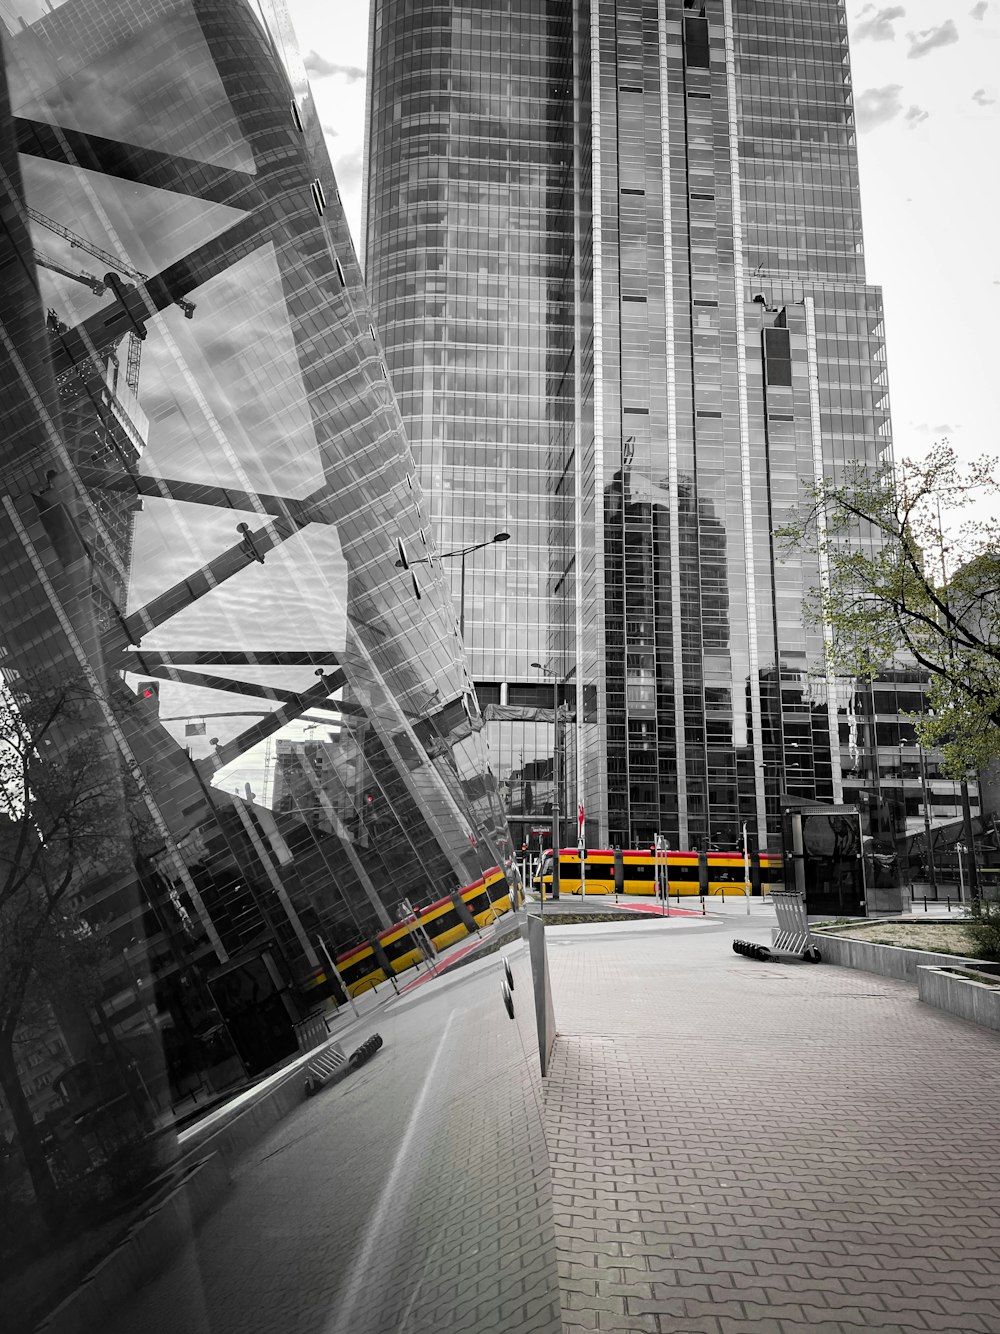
(926, 82)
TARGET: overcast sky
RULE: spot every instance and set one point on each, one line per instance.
(927, 94)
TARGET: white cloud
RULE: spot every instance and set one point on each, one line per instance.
(347, 169)
(978, 11)
(916, 116)
(879, 27)
(877, 106)
(922, 43)
(320, 67)
(982, 98)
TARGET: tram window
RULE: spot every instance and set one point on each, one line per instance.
(358, 968)
(446, 922)
(395, 949)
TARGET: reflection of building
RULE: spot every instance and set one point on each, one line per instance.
(617, 257)
(226, 522)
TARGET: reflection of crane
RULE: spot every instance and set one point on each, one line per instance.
(98, 287)
(267, 787)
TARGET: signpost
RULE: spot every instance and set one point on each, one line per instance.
(661, 870)
(581, 843)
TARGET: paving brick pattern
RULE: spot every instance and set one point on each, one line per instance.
(740, 1146)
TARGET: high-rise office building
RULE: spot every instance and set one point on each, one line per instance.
(615, 252)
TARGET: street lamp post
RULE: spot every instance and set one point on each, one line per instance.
(403, 564)
(556, 796)
(931, 867)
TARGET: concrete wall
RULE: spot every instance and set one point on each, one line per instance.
(886, 960)
(233, 1137)
(977, 1002)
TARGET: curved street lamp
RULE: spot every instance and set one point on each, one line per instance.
(404, 564)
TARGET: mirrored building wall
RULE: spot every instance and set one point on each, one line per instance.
(207, 488)
(727, 352)
(238, 733)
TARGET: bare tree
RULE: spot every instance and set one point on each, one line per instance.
(63, 823)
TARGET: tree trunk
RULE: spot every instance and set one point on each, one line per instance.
(28, 1138)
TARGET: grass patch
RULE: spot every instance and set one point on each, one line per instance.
(936, 937)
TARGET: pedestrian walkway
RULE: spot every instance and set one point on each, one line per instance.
(739, 1146)
(729, 1147)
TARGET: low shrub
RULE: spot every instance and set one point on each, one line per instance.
(984, 928)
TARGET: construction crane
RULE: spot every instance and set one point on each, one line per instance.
(97, 286)
(88, 279)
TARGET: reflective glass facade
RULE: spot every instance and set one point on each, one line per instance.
(234, 475)
(471, 205)
(269, 725)
(726, 346)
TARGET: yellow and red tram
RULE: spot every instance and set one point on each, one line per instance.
(446, 920)
(726, 872)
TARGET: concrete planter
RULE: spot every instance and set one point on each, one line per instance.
(885, 960)
(977, 1002)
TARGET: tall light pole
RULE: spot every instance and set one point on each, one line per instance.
(928, 833)
(969, 834)
(556, 795)
(404, 563)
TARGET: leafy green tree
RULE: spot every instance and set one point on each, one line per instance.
(909, 575)
(63, 824)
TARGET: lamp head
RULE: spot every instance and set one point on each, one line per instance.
(500, 537)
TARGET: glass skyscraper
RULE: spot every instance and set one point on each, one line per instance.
(615, 252)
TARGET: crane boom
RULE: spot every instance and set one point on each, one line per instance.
(81, 243)
(88, 279)
(98, 287)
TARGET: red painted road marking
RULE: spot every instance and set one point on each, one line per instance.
(440, 966)
(654, 908)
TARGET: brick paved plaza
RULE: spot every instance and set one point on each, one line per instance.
(740, 1146)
